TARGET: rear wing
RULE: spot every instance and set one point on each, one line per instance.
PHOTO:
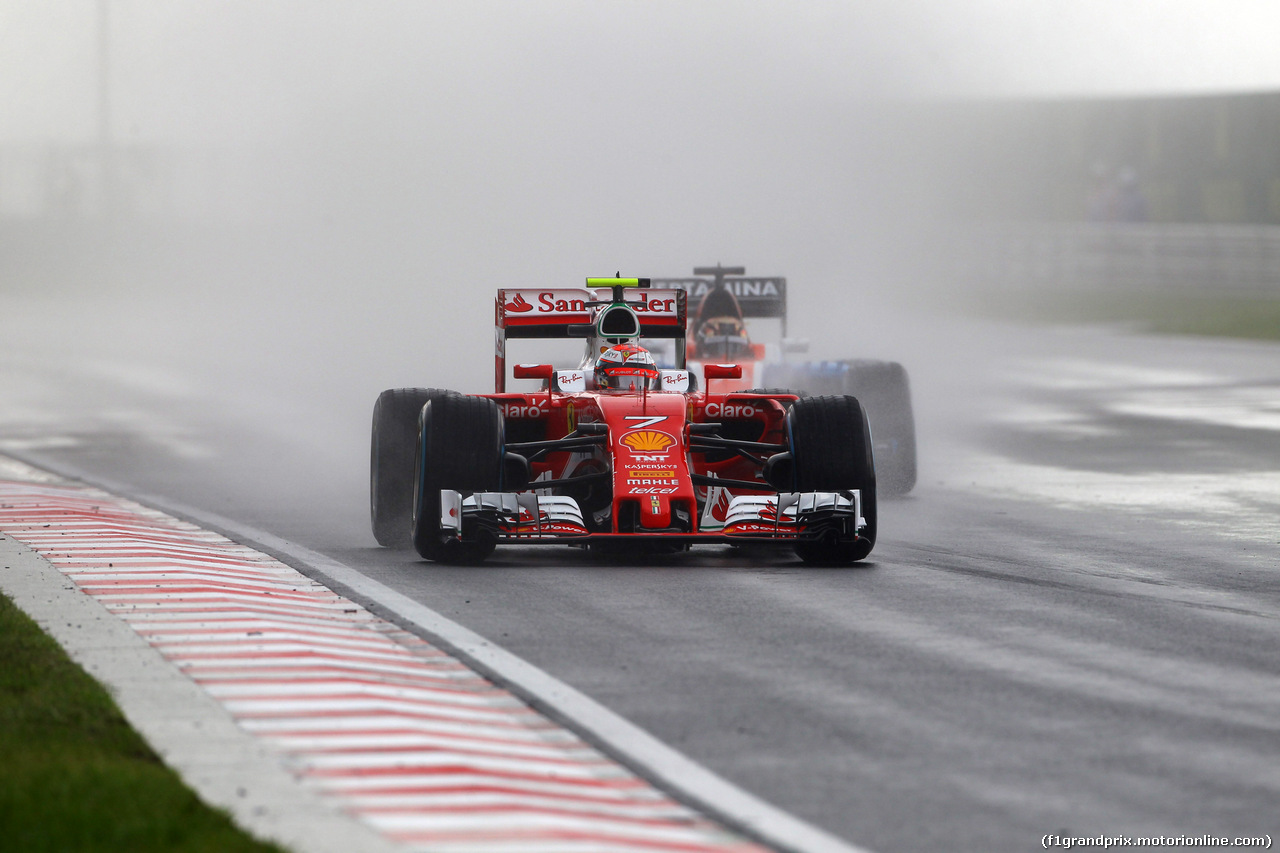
(758, 297)
(572, 312)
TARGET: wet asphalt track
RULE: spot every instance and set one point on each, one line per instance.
(1071, 627)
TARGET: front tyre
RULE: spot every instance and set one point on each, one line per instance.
(460, 447)
(831, 451)
(391, 459)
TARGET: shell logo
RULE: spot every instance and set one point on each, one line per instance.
(648, 441)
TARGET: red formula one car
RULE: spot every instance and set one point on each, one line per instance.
(616, 451)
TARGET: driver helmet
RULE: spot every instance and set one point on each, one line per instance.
(720, 328)
(626, 367)
(722, 337)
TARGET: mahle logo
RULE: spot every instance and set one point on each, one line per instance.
(648, 441)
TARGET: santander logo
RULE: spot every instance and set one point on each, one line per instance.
(519, 305)
(720, 509)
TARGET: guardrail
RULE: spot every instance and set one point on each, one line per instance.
(1139, 257)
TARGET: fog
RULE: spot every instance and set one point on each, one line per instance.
(328, 193)
(227, 225)
(329, 176)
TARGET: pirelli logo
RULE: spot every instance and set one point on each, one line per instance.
(659, 473)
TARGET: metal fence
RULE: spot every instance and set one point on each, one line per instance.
(1136, 257)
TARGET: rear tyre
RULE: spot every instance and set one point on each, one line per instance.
(460, 447)
(391, 459)
(831, 451)
(884, 391)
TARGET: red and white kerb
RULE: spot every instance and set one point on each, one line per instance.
(402, 735)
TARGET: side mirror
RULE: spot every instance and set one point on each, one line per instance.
(533, 371)
(722, 371)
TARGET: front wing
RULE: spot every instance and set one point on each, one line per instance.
(529, 518)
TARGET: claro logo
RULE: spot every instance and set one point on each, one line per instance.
(730, 410)
(648, 441)
(521, 410)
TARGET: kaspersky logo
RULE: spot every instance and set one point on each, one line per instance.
(647, 441)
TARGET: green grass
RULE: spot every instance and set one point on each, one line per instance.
(1218, 316)
(74, 776)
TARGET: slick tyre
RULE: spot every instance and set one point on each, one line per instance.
(885, 392)
(831, 451)
(460, 447)
(391, 459)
